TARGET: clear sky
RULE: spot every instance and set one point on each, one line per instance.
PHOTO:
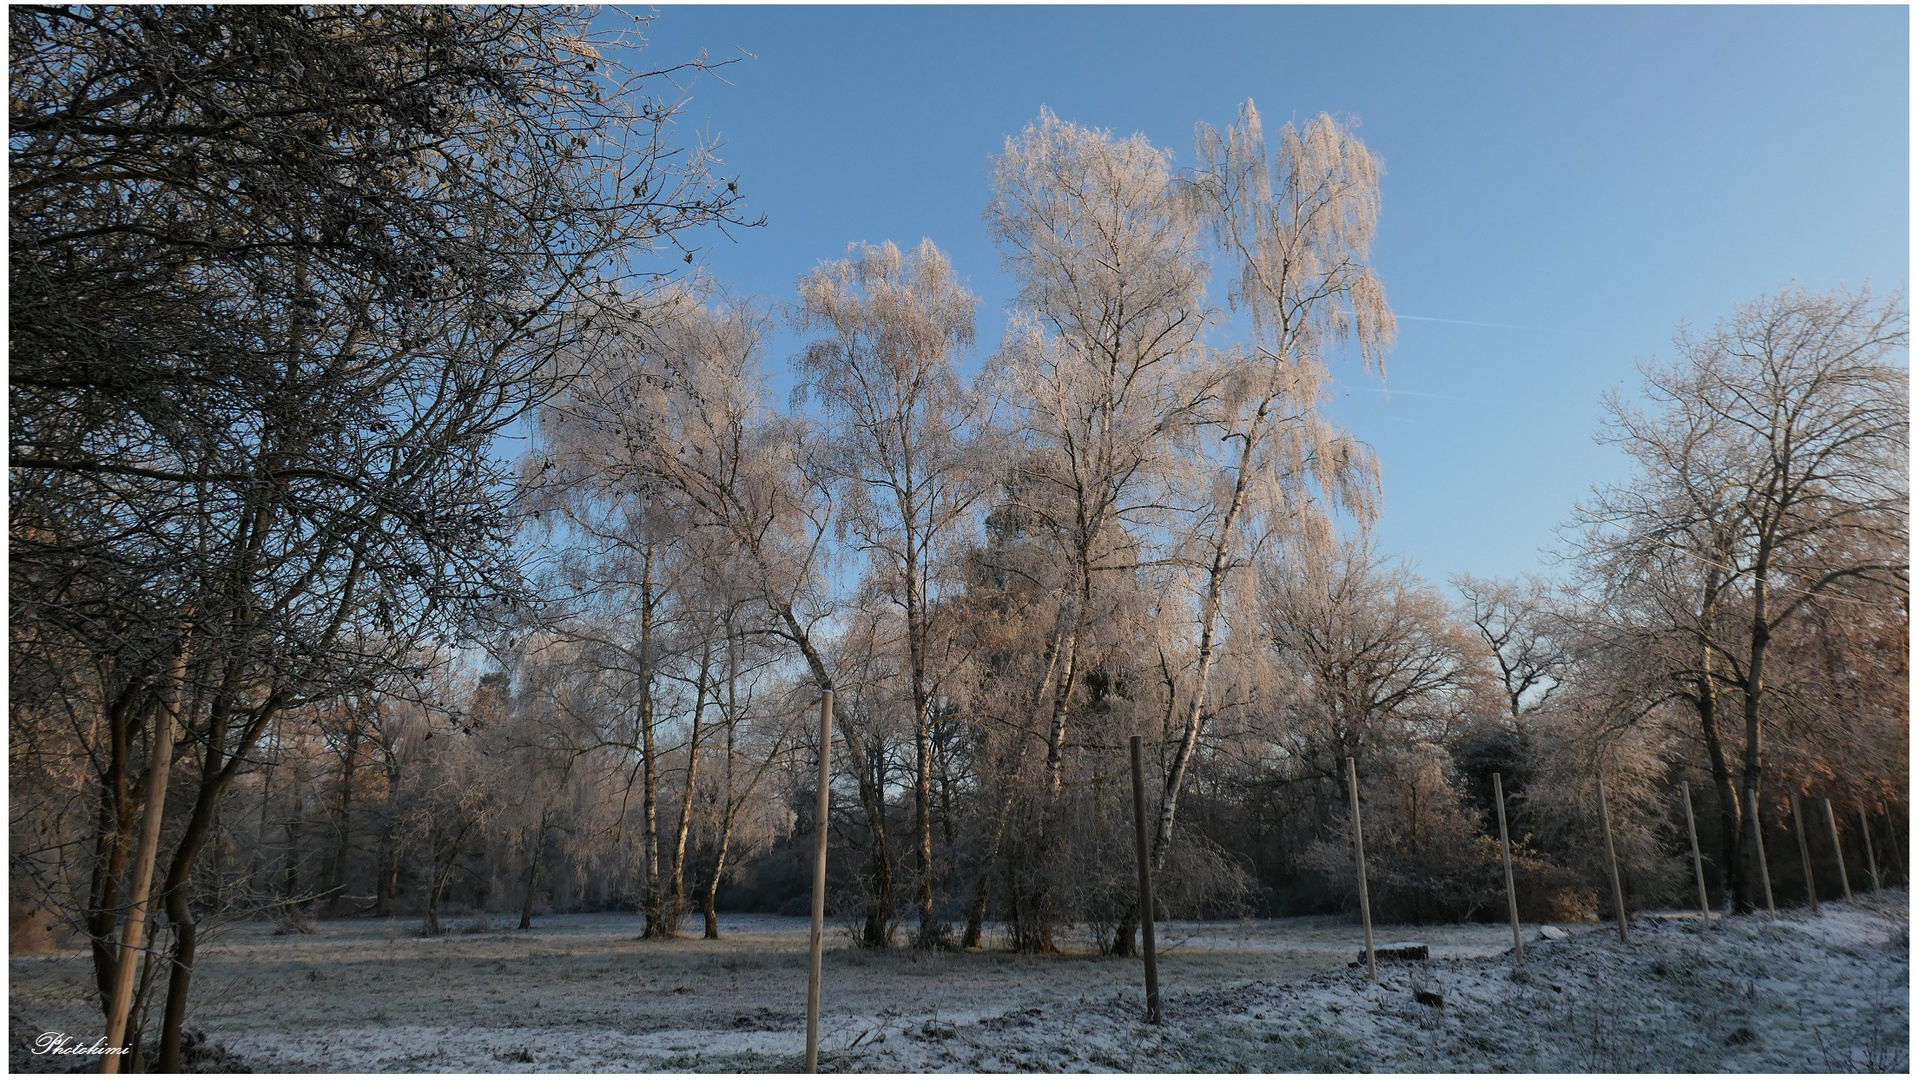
(1563, 187)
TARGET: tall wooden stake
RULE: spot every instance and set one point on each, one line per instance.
(1872, 862)
(1838, 853)
(133, 937)
(1805, 853)
(1612, 861)
(1759, 845)
(819, 888)
(1359, 855)
(1698, 867)
(1895, 864)
(1506, 856)
(1145, 883)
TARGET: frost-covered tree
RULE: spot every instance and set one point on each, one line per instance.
(1099, 361)
(1770, 471)
(278, 275)
(1297, 222)
(901, 448)
(1383, 660)
(1529, 647)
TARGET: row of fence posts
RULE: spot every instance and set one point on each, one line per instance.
(1143, 851)
(1805, 851)
(1612, 859)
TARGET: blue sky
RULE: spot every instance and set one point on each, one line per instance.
(1563, 187)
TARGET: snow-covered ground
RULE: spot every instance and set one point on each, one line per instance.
(1826, 994)
(580, 994)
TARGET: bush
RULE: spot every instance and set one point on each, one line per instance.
(294, 921)
(1427, 856)
(33, 928)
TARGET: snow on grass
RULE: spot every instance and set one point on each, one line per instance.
(1746, 995)
(581, 994)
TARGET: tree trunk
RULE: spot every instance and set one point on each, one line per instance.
(123, 1010)
(217, 770)
(1032, 914)
(1755, 683)
(336, 876)
(431, 925)
(712, 928)
(1126, 933)
(878, 932)
(1216, 572)
(976, 912)
(1062, 693)
(712, 931)
(386, 882)
(652, 906)
(290, 868)
(678, 908)
(1032, 900)
(930, 932)
(1732, 885)
(112, 829)
(533, 872)
(652, 903)
(872, 796)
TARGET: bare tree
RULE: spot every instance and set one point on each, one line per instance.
(900, 445)
(690, 419)
(1100, 355)
(1772, 472)
(1299, 224)
(278, 275)
(1382, 658)
(1516, 621)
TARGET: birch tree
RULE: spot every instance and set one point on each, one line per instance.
(901, 449)
(1298, 224)
(609, 589)
(1099, 355)
(691, 420)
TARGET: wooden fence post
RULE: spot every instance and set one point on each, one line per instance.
(1805, 853)
(1145, 884)
(1895, 861)
(1872, 862)
(1838, 853)
(819, 887)
(1759, 845)
(1698, 868)
(1359, 855)
(1612, 861)
(1506, 856)
(133, 937)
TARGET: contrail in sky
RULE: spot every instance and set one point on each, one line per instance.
(1492, 325)
(1389, 394)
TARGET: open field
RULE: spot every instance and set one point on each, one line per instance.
(580, 994)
